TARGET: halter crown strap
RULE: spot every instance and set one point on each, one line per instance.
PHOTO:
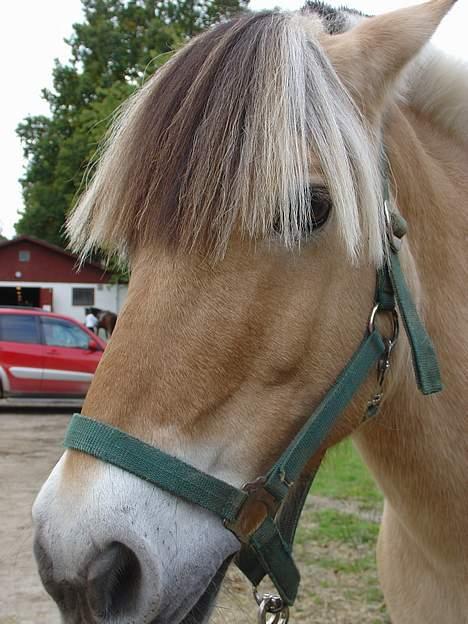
(391, 280)
(425, 364)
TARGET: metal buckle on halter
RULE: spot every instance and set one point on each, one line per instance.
(271, 609)
(396, 227)
(383, 364)
(258, 505)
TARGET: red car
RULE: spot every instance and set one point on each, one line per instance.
(45, 354)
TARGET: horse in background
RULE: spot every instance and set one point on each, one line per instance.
(106, 321)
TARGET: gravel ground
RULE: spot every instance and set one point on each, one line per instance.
(29, 447)
(30, 444)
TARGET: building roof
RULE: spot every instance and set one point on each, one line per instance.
(38, 241)
(50, 263)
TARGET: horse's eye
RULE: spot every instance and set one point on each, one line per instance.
(320, 205)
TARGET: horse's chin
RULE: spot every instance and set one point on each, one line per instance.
(201, 611)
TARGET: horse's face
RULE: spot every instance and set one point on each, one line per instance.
(219, 362)
(219, 366)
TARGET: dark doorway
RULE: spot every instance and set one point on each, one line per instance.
(19, 296)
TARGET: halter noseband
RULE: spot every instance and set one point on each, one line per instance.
(276, 500)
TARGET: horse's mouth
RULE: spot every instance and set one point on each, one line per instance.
(200, 612)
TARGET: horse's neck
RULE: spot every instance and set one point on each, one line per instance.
(418, 446)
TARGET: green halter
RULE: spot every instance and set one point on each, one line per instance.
(278, 497)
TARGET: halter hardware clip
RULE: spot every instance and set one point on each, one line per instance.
(257, 507)
(383, 364)
(271, 609)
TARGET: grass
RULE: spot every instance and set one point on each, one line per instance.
(336, 548)
(328, 525)
(344, 476)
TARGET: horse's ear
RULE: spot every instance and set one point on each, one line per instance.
(370, 57)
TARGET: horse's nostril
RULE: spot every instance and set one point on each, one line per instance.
(113, 581)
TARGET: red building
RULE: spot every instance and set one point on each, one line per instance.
(34, 272)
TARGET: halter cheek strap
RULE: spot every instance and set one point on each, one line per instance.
(276, 500)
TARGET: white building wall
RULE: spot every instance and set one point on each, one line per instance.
(106, 296)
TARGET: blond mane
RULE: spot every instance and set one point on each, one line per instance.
(436, 84)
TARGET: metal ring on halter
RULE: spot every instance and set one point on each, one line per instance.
(395, 321)
(383, 365)
(271, 609)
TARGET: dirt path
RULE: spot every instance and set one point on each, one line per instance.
(29, 447)
(30, 444)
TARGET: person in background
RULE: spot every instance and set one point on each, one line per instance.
(91, 321)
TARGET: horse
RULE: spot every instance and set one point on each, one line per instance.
(246, 184)
(106, 321)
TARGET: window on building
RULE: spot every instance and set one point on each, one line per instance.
(24, 255)
(83, 296)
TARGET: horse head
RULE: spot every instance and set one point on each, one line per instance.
(243, 183)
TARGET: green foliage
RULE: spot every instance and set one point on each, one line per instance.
(330, 525)
(344, 476)
(116, 47)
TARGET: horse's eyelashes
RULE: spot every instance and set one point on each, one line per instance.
(320, 205)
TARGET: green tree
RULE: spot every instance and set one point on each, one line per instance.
(116, 47)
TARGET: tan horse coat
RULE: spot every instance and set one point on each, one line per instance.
(236, 352)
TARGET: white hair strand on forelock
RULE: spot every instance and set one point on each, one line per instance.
(263, 110)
